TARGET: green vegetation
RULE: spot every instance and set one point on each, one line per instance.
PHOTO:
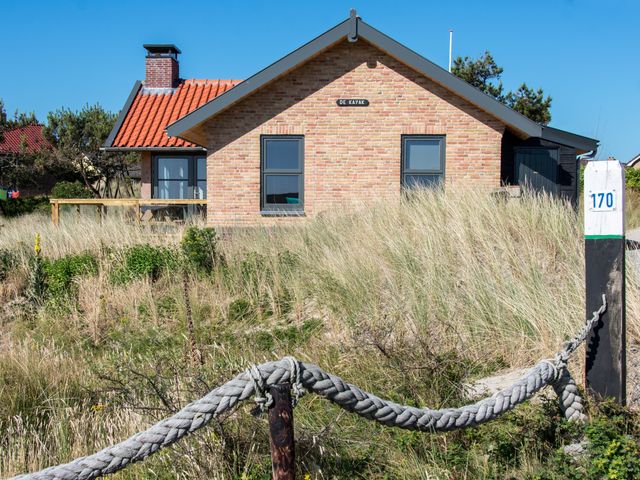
(485, 74)
(144, 261)
(71, 155)
(67, 189)
(410, 301)
(200, 248)
(632, 178)
(7, 262)
(61, 273)
(24, 205)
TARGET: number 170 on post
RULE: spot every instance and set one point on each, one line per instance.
(602, 201)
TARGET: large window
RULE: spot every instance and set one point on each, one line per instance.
(422, 160)
(282, 173)
(179, 177)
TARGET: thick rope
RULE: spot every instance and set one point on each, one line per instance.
(257, 379)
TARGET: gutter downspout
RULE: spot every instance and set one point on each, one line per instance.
(588, 156)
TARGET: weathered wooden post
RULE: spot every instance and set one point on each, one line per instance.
(55, 213)
(604, 199)
(281, 433)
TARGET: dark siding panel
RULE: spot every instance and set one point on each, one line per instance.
(567, 174)
(507, 166)
(537, 168)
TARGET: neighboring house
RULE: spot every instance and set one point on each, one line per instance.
(350, 116)
(19, 142)
(27, 139)
(634, 163)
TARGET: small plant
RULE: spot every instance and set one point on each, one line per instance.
(200, 248)
(144, 261)
(61, 273)
(615, 454)
(66, 189)
(37, 286)
(632, 178)
(253, 268)
(7, 262)
(240, 309)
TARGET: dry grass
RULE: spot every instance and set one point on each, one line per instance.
(408, 300)
(482, 270)
(500, 277)
(81, 233)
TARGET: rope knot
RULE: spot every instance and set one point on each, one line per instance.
(562, 360)
(262, 397)
(296, 380)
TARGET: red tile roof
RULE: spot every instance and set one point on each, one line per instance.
(28, 137)
(153, 109)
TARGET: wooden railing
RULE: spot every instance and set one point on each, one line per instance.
(135, 203)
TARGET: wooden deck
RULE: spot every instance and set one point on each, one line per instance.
(135, 203)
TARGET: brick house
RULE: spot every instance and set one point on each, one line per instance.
(351, 115)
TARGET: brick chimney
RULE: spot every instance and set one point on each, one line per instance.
(162, 69)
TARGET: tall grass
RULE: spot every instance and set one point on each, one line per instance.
(407, 299)
(83, 232)
(500, 276)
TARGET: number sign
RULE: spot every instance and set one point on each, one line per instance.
(604, 199)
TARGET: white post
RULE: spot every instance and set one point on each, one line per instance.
(450, 47)
(604, 199)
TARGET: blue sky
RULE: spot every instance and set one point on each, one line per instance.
(584, 53)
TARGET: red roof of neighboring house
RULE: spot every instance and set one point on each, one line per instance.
(28, 137)
(153, 109)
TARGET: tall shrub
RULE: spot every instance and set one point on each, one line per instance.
(66, 189)
(200, 248)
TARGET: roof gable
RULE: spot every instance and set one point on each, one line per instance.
(633, 161)
(352, 29)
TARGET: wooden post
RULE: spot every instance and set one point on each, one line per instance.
(604, 200)
(138, 212)
(281, 433)
(55, 213)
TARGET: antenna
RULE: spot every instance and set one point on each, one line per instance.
(450, 47)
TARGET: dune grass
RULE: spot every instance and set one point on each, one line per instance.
(408, 300)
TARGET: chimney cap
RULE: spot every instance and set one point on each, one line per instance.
(161, 50)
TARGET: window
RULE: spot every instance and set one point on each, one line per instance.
(201, 177)
(282, 173)
(179, 177)
(422, 160)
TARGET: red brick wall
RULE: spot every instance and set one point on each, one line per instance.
(351, 153)
(161, 72)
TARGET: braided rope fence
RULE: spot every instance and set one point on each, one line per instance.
(308, 377)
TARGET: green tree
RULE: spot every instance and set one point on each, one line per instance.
(77, 137)
(3, 119)
(20, 119)
(485, 74)
(22, 168)
(531, 103)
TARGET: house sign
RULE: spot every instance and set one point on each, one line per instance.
(352, 102)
